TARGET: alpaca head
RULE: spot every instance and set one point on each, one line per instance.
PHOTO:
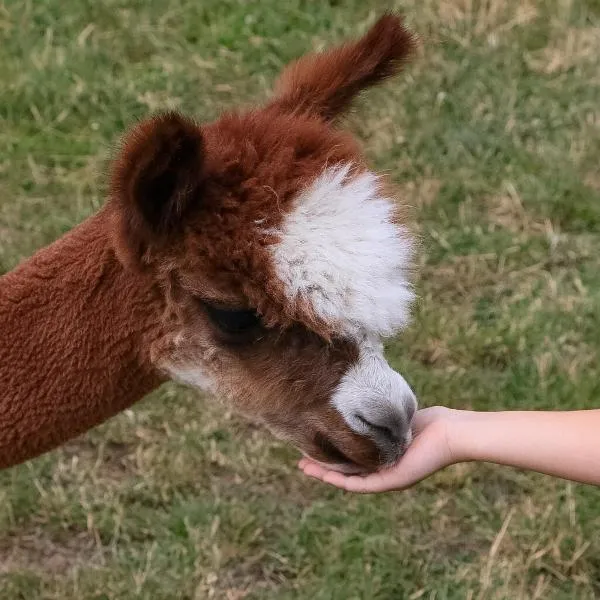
(281, 257)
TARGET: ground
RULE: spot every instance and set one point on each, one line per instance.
(493, 136)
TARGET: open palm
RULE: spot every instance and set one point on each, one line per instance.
(429, 452)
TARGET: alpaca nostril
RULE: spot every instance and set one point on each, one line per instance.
(394, 436)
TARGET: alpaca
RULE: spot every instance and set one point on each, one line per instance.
(255, 257)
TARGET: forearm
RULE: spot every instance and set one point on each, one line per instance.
(562, 444)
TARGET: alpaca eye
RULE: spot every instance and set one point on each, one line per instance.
(233, 322)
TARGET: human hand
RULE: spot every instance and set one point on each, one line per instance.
(431, 450)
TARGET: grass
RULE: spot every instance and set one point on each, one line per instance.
(494, 136)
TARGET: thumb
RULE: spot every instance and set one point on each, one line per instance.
(427, 416)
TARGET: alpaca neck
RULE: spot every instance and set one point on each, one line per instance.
(76, 330)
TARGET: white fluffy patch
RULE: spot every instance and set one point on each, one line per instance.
(372, 392)
(341, 252)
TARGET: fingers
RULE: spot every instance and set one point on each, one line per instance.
(326, 475)
(376, 482)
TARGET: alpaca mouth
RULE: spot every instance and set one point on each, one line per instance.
(331, 451)
(347, 468)
(336, 460)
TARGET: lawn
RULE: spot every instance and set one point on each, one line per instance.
(493, 136)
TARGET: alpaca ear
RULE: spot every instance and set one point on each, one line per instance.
(325, 84)
(156, 178)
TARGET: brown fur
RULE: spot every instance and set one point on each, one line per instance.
(345, 71)
(76, 329)
(90, 323)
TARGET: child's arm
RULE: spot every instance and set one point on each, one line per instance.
(563, 444)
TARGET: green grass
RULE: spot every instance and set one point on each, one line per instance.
(494, 136)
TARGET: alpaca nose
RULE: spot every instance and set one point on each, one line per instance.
(389, 426)
(377, 403)
(390, 429)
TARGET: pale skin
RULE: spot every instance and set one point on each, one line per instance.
(560, 444)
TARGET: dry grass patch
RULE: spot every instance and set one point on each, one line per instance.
(37, 551)
(572, 47)
(507, 211)
(421, 193)
(489, 18)
(592, 179)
